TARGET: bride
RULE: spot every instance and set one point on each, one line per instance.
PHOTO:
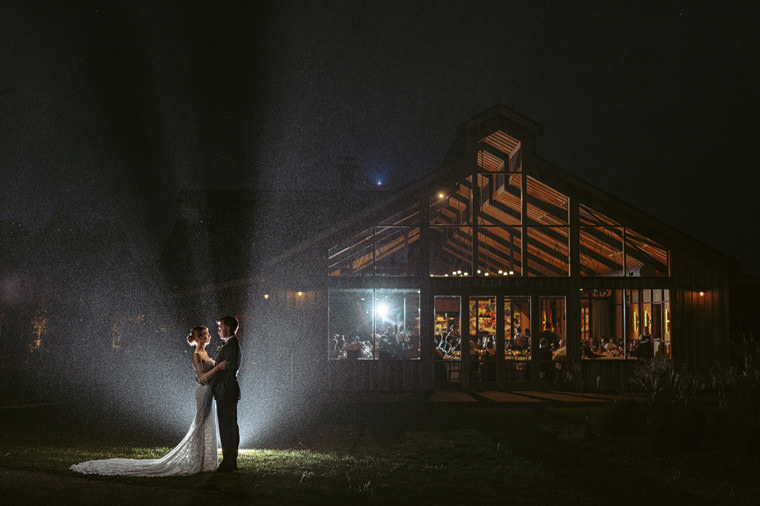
(197, 452)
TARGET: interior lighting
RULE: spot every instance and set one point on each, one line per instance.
(266, 296)
(441, 196)
(300, 294)
(701, 294)
(511, 273)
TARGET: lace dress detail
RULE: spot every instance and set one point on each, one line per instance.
(197, 452)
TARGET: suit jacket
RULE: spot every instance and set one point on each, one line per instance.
(224, 383)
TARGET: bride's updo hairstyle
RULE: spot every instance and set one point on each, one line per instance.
(194, 335)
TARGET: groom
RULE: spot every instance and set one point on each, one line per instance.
(226, 391)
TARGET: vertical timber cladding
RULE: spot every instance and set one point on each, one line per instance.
(700, 308)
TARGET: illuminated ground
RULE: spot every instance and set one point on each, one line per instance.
(479, 448)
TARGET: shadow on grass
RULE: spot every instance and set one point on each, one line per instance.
(417, 453)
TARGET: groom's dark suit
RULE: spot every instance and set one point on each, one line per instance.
(226, 391)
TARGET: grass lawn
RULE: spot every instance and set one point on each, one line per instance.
(409, 453)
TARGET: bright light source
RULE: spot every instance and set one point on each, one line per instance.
(266, 296)
(381, 309)
(441, 195)
(300, 294)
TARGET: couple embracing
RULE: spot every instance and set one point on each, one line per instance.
(197, 452)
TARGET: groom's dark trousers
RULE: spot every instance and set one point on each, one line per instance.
(229, 433)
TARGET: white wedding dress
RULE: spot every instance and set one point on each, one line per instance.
(196, 453)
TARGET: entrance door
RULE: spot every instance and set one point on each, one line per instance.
(507, 340)
(550, 356)
(517, 339)
(448, 339)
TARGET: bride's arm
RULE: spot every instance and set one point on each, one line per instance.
(203, 377)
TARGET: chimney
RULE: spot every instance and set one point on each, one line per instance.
(348, 172)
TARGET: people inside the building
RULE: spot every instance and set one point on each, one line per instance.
(521, 341)
(335, 346)
(589, 348)
(644, 349)
(550, 336)
(546, 368)
(353, 349)
(560, 354)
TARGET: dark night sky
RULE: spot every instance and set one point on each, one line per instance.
(110, 108)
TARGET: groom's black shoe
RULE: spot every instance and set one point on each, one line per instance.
(224, 469)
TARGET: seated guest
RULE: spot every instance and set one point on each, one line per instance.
(353, 349)
(587, 349)
(521, 342)
(561, 354)
(644, 350)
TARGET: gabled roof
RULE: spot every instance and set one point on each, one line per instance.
(485, 131)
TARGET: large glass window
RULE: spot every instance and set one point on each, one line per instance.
(500, 199)
(620, 324)
(548, 251)
(451, 251)
(517, 337)
(499, 251)
(392, 248)
(649, 329)
(451, 231)
(517, 328)
(602, 324)
(452, 206)
(609, 249)
(644, 257)
(499, 152)
(552, 337)
(370, 324)
(351, 324)
(483, 337)
(601, 251)
(448, 337)
(353, 257)
(397, 251)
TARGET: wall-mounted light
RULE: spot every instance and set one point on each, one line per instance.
(266, 296)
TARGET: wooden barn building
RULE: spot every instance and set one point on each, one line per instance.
(499, 270)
